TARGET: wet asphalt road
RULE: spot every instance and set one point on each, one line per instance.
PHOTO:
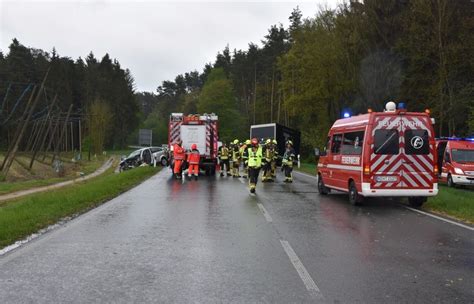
(211, 242)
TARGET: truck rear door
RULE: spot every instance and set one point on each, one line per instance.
(194, 134)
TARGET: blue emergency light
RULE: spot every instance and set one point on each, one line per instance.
(402, 106)
(347, 114)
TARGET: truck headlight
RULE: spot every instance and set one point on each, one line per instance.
(458, 171)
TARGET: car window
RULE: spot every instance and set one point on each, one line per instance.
(352, 143)
(134, 153)
(417, 142)
(336, 143)
(386, 141)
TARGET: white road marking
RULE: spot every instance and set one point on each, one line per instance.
(242, 181)
(265, 213)
(418, 211)
(440, 218)
(302, 272)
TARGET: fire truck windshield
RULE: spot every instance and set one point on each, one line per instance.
(463, 156)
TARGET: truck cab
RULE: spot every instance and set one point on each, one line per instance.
(456, 157)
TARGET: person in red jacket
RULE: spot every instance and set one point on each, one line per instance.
(193, 160)
(179, 156)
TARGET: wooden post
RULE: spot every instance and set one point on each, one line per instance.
(18, 129)
(52, 135)
(80, 140)
(63, 131)
(8, 161)
(72, 137)
(44, 135)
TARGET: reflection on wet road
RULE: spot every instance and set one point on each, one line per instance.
(210, 241)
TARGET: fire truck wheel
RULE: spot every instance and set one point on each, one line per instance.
(450, 181)
(416, 202)
(354, 197)
(322, 189)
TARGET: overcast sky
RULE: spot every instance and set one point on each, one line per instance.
(156, 40)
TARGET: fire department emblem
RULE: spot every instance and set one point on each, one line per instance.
(416, 142)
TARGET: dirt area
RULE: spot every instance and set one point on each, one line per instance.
(19, 171)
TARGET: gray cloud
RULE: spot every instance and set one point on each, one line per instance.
(155, 40)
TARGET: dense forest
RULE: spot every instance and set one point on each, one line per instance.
(92, 86)
(356, 56)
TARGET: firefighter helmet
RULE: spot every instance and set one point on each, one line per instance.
(268, 141)
(247, 142)
(236, 141)
(289, 142)
(274, 141)
(194, 147)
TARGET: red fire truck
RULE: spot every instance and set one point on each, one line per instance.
(387, 154)
(201, 130)
(456, 159)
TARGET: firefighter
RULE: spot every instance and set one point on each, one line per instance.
(235, 158)
(245, 156)
(288, 160)
(275, 158)
(193, 159)
(268, 154)
(179, 156)
(254, 163)
(223, 154)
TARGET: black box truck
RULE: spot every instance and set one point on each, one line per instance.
(278, 132)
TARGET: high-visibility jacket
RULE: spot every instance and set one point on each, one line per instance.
(255, 157)
(178, 152)
(269, 154)
(194, 157)
(244, 153)
(289, 157)
(235, 153)
(223, 153)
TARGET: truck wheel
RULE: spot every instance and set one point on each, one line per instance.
(450, 181)
(416, 202)
(354, 197)
(322, 189)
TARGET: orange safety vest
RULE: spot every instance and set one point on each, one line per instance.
(178, 152)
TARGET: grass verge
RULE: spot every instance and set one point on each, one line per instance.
(452, 202)
(309, 168)
(24, 216)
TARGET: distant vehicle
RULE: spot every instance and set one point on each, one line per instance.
(456, 159)
(384, 154)
(160, 155)
(136, 159)
(278, 132)
(201, 130)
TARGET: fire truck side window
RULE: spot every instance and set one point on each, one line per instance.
(336, 143)
(386, 141)
(417, 142)
(352, 144)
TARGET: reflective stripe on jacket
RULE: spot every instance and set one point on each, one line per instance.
(223, 153)
(255, 157)
(178, 152)
(194, 157)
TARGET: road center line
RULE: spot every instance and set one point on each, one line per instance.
(416, 210)
(302, 272)
(439, 218)
(265, 213)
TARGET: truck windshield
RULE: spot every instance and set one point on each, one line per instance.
(386, 141)
(463, 156)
